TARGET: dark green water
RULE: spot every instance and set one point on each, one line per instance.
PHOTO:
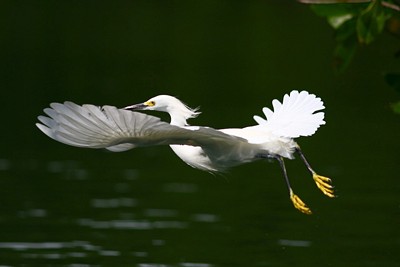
(64, 206)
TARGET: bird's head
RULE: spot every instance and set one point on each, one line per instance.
(178, 111)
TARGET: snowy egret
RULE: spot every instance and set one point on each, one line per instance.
(203, 148)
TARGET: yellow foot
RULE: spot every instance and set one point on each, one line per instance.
(324, 184)
(299, 204)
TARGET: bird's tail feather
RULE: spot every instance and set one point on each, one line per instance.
(295, 116)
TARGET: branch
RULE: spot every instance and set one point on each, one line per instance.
(391, 6)
(332, 1)
(384, 3)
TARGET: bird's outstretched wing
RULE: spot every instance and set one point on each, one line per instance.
(119, 130)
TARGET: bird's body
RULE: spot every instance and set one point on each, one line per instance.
(258, 140)
(203, 148)
(237, 153)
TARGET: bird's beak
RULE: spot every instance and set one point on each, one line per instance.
(137, 106)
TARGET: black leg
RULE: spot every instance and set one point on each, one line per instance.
(297, 202)
(284, 172)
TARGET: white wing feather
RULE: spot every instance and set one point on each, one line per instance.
(295, 116)
(119, 130)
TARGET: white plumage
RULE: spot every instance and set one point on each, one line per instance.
(295, 117)
(200, 147)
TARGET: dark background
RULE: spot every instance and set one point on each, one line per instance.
(64, 206)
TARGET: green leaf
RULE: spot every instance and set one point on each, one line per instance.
(393, 79)
(396, 107)
(371, 22)
(345, 49)
(329, 10)
(343, 55)
(337, 14)
(347, 31)
(337, 21)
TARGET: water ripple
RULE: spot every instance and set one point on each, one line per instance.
(205, 217)
(160, 213)
(180, 188)
(294, 243)
(46, 245)
(185, 264)
(195, 264)
(131, 224)
(4, 164)
(34, 213)
(113, 202)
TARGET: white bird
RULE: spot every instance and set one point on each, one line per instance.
(203, 148)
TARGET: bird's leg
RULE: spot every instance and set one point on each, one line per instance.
(297, 202)
(322, 182)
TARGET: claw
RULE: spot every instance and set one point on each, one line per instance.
(299, 204)
(324, 184)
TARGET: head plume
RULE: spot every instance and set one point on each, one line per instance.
(178, 110)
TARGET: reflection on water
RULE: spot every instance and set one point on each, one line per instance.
(133, 225)
(104, 206)
(70, 214)
(294, 243)
(32, 213)
(70, 168)
(160, 213)
(52, 250)
(73, 215)
(185, 264)
(47, 245)
(78, 250)
(180, 188)
(4, 164)
(113, 203)
(205, 218)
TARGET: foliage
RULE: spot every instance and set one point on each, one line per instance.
(357, 23)
(393, 79)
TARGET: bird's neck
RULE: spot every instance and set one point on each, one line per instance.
(177, 119)
(180, 113)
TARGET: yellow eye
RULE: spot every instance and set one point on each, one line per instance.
(150, 103)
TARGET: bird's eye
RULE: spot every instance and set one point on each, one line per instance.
(150, 103)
